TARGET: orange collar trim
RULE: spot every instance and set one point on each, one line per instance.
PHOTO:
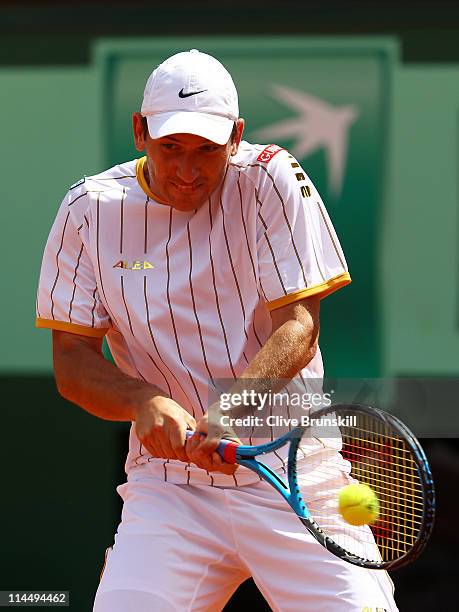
(140, 174)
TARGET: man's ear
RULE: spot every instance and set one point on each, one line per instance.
(138, 127)
(238, 136)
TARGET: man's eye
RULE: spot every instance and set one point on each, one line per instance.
(168, 145)
(209, 148)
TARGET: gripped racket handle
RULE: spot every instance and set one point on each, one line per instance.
(226, 449)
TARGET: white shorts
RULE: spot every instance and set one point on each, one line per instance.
(183, 548)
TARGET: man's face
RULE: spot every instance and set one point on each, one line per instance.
(184, 169)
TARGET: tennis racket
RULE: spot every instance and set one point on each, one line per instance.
(383, 454)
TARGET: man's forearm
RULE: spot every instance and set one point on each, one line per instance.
(289, 349)
(86, 378)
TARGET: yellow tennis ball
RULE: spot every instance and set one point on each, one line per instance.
(358, 504)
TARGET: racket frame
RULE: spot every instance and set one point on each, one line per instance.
(246, 455)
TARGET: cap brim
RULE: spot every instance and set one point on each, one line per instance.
(213, 127)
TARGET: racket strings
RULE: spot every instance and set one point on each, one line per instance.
(325, 474)
(384, 456)
(376, 470)
(370, 434)
(377, 456)
(383, 460)
(381, 481)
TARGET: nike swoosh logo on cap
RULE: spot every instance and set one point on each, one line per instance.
(191, 93)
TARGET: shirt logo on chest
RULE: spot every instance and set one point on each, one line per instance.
(134, 265)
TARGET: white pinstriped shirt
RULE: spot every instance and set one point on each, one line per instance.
(184, 298)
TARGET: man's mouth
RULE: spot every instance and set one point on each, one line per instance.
(186, 189)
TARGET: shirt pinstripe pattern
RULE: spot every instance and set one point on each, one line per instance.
(166, 382)
(122, 219)
(319, 268)
(249, 252)
(94, 306)
(271, 250)
(78, 198)
(155, 346)
(171, 312)
(117, 178)
(183, 298)
(257, 200)
(125, 305)
(57, 265)
(216, 297)
(198, 325)
(287, 222)
(74, 283)
(230, 259)
(99, 269)
(98, 246)
(331, 234)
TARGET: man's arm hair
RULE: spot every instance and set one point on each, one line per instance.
(85, 377)
(291, 346)
(292, 343)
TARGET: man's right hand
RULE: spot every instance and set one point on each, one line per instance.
(160, 425)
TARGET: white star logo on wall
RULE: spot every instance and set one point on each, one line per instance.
(318, 125)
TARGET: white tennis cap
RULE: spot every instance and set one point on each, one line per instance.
(191, 93)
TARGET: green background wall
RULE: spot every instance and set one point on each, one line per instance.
(52, 129)
(420, 255)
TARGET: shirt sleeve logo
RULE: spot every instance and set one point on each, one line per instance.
(268, 153)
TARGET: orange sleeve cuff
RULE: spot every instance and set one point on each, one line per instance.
(72, 328)
(322, 290)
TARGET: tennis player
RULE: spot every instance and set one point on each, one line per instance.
(204, 260)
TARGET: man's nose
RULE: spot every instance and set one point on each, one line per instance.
(187, 168)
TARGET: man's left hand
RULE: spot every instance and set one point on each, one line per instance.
(201, 447)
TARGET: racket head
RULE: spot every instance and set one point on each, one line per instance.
(374, 448)
(380, 451)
